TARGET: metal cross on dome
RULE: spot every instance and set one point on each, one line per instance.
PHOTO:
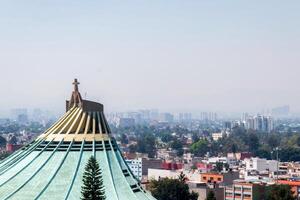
(75, 99)
(76, 83)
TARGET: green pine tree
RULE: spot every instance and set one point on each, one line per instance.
(211, 196)
(92, 188)
(182, 177)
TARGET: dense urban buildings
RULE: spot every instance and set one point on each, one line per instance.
(223, 157)
(217, 169)
(231, 158)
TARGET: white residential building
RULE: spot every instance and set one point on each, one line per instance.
(136, 167)
(157, 174)
(260, 123)
(214, 160)
(260, 164)
(125, 122)
(217, 136)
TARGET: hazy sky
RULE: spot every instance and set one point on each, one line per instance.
(171, 55)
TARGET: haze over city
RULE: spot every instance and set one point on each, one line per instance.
(176, 56)
(150, 100)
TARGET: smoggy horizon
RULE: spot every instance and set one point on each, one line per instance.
(173, 56)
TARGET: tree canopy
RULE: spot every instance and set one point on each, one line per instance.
(2, 141)
(146, 144)
(259, 144)
(177, 145)
(171, 189)
(124, 139)
(211, 196)
(279, 192)
(220, 166)
(200, 148)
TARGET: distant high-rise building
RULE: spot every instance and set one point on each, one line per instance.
(250, 123)
(166, 117)
(245, 116)
(145, 114)
(208, 116)
(22, 119)
(185, 117)
(4, 121)
(260, 123)
(125, 122)
(137, 116)
(282, 111)
(18, 111)
(269, 124)
(37, 113)
(227, 125)
(154, 114)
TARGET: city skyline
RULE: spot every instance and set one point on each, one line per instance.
(150, 100)
(179, 57)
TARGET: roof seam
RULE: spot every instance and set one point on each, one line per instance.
(35, 173)
(76, 171)
(111, 174)
(26, 165)
(11, 164)
(55, 173)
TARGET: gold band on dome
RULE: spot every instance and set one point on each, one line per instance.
(78, 125)
(77, 137)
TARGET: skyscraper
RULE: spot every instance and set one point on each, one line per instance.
(260, 123)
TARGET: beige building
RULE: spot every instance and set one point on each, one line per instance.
(156, 174)
(163, 173)
(245, 191)
(217, 136)
(203, 189)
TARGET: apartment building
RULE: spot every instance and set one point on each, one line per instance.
(244, 190)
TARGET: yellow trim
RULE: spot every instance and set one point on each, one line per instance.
(99, 123)
(75, 118)
(62, 122)
(67, 124)
(56, 124)
(81, 123)
(94, 123)
(79, 137)
(87, 124)
(75, 122)
(102, 118)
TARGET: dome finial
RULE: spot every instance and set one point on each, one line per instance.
(76, 99)
(76, 83)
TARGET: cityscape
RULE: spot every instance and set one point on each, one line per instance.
(231, 157)
(149, 100)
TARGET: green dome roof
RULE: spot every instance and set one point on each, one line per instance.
(52, 166)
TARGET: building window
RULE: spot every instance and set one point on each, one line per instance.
(237, 195)
(247, 189)
(228, 194)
